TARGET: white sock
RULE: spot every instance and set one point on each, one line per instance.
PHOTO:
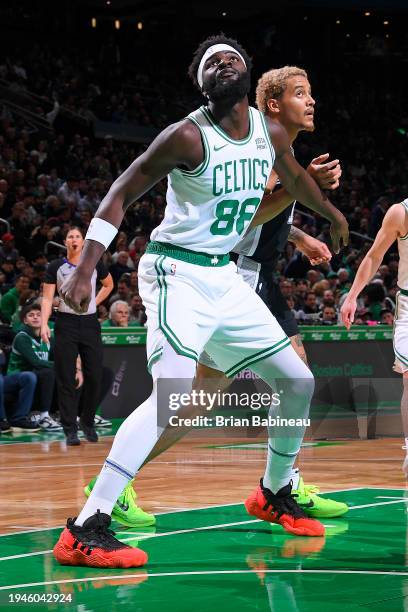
(43, 415)
(286, 373)
(136, 436)
(133, 442)
(109, 485)
(279, 468)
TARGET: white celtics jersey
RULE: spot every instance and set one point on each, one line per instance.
(403, 257)
(209, 208)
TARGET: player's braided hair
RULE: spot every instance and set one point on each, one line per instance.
(273, 83)
(209, 42)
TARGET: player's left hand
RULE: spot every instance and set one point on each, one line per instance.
(326, 174)
(316, 251)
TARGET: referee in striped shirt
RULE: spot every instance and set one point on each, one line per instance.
(76, 335)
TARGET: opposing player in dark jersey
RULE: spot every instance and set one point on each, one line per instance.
(285, 95)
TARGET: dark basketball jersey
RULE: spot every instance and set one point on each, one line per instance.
(265, 243)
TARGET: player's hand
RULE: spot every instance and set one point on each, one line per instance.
(45, 334)
(348, 310)
(76, 291)
(339, 232)
(316, 251)
(326, 174)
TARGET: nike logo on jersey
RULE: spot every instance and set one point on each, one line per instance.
(221, 147)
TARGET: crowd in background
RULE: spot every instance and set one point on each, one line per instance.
(54, 170)
(51, 181)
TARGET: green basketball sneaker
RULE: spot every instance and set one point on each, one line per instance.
(126, 511)
(317, 507)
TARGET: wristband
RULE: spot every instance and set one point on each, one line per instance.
(101, 231)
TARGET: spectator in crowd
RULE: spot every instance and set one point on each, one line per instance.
(9, 271)
(29, 353)
(7, 249)
(103, 313)
(137, 312)
(387, 317)
(329, 316)
(328, 299)
(18, 419)
(20, 386)
(310, 311)
(121, 267)
(133, 282)
(10, 300)
(69, 194)
(118, 315)
(123, 291)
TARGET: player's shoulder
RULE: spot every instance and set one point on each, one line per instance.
(183, 132)
(181, 143)
(396, 217)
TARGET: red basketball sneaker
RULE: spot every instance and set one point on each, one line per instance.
(94, 545)
(282, 508)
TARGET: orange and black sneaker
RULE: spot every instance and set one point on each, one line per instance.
(94, 545)
(282, 508)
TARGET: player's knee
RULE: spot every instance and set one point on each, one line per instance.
(303, 387)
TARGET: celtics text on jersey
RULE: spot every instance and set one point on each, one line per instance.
(209, 208)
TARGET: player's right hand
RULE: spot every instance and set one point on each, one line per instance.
(326, 173)
(348, 310)
(45, 334)
(76, 291)
(339, 232)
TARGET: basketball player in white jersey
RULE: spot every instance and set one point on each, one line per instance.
(394, 227)
(218, 161)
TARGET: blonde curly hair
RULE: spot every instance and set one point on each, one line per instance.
(273, 83)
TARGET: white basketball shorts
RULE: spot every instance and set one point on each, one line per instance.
(205, 306)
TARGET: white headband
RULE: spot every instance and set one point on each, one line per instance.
(210, 51)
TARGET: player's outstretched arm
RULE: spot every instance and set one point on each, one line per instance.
(178, 145)
(302, 187)
(392, 227)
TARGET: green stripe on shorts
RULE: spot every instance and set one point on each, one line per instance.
(170, 335)
(258, 356)
(155, 356)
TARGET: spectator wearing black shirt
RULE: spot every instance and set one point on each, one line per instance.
(120, 268)
(75, 335)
